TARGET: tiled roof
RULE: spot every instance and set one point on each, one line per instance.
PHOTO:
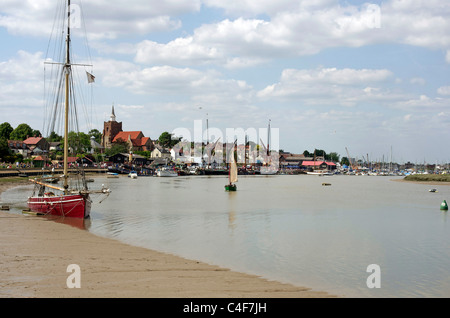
(32, 140)
(140, 142)
(126, 134)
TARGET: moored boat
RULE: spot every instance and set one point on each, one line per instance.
(166, 172)
(72, 199)
(133, 174)
(268, 170)
(232, 173)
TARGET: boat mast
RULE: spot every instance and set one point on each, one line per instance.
(268, 139)
(66, 108)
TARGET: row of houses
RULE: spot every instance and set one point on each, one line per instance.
(39, 146)
(204, 157)
(33, 146)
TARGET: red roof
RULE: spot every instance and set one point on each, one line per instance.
(317, 163)
(312, 163)
(126, 134)
(32, 140)
(140, 142)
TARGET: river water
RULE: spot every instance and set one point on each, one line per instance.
(288, 228)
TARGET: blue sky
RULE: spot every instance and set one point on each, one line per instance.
(369, 76)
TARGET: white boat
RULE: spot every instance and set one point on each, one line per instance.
(268, 170)
(166, 172)
(320, 173)
(133, 174)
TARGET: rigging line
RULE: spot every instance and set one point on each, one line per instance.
(87, 48)
(52, 93)
(53, 28)
(85, 33)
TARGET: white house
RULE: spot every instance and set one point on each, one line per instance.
(160, 152)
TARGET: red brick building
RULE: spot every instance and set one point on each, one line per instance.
(112, 132)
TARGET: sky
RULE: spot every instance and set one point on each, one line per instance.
(372, 78)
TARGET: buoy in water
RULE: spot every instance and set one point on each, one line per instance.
(444, 205)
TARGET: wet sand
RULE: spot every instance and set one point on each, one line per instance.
(36, 252)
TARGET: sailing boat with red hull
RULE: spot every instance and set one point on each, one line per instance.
(73, 198)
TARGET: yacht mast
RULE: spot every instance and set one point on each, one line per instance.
(66, 105)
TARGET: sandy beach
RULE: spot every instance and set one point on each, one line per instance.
(36, 252)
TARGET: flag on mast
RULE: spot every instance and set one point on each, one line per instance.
(90, 77)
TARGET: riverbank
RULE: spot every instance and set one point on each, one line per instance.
(429, 179)
(36, 251)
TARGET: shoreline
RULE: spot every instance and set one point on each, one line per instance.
(36, 252)
(435, 183)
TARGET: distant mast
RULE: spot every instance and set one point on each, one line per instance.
(268, 140)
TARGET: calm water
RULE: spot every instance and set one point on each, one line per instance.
(288, 228)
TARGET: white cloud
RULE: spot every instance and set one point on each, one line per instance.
(424, 104)
(20, 80)
(269, 7)
(205, 87)
(25, 66)
(105, 19)
(327, 85)
(294, 29)
(444, 90)
(417, 80)
(178, 51)
(291, 28)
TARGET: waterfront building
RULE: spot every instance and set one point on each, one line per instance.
(113, 132)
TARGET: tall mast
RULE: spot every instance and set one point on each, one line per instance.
(66, 108)
(268, 140)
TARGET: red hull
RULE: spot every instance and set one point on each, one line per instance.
(77, 206)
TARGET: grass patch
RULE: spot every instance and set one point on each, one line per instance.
(428, 177)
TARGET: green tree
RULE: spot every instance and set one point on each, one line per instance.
(145, 154)
(333, 156)
(96, 134)
(119, 146)
(79, 142)
(54, 137)
(5, 130)
(167, 140)
(35, 133)
(345, 161)
(22, 132)
(4, 149)
(320, 153)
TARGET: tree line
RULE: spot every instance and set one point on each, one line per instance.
(80, 142)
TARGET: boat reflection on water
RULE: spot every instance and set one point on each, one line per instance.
(79, 223)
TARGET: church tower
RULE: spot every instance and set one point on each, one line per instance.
(110, 129)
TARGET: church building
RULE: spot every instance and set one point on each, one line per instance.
(112, 132)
